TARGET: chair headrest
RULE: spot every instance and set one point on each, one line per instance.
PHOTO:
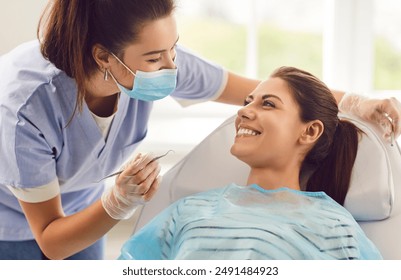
(374, 175)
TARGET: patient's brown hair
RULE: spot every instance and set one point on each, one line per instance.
(332, 157)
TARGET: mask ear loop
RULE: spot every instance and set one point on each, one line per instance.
(112, 76)
(132, 72)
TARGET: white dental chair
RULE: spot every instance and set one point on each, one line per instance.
(373, 197)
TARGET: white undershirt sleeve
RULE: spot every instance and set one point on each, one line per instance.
(38, 194)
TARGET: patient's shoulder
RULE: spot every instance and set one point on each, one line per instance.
(204, 197)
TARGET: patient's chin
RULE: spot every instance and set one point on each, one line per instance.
(239, 154)
(234, 151)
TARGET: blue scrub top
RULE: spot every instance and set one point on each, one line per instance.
(37, 147)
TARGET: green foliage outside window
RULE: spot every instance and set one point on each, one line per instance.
(225, 43)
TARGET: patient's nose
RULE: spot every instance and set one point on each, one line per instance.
(246, 112)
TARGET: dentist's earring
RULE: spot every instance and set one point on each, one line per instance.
(106, 74)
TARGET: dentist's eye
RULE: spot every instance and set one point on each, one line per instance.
(154, 60)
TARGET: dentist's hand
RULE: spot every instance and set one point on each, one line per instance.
(383, 112)
(136, 185)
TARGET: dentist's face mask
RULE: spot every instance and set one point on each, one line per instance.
(149, 86)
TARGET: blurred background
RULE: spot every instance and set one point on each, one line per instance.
(352, 45)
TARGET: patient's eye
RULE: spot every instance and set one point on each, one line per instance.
(268, 103)
(248, 100)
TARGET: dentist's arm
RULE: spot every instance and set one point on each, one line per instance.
(383, 112)
(236, 90)
(60, 236)
(238, 87)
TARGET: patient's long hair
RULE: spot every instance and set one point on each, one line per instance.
(333, 156)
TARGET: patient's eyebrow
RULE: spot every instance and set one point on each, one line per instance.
(266, 96)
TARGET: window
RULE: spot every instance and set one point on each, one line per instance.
(362, 46)
(387, 45)
(254, 37)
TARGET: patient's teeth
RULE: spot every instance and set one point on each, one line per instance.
(245, 131)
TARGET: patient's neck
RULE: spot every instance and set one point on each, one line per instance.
(272, 179)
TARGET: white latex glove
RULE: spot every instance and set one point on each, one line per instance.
(383, 112)
(136, 185)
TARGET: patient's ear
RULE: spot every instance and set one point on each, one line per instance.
(313, 130)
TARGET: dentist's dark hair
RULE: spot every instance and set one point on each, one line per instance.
(68, 30)
(333, 155)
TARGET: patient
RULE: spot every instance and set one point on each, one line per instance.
(288, 122)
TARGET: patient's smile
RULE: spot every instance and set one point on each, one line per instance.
(247, 132)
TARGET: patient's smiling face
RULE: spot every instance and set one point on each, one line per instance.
(268, 126)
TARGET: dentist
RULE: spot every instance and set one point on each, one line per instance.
(74, 106)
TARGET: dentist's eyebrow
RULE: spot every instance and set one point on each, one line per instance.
(266, 96)
(160, 51)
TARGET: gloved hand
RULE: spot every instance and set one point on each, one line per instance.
(383, 112)
(136, 185)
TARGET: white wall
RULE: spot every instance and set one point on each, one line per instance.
(18, 21)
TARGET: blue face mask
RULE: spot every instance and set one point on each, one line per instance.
(150, 86)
